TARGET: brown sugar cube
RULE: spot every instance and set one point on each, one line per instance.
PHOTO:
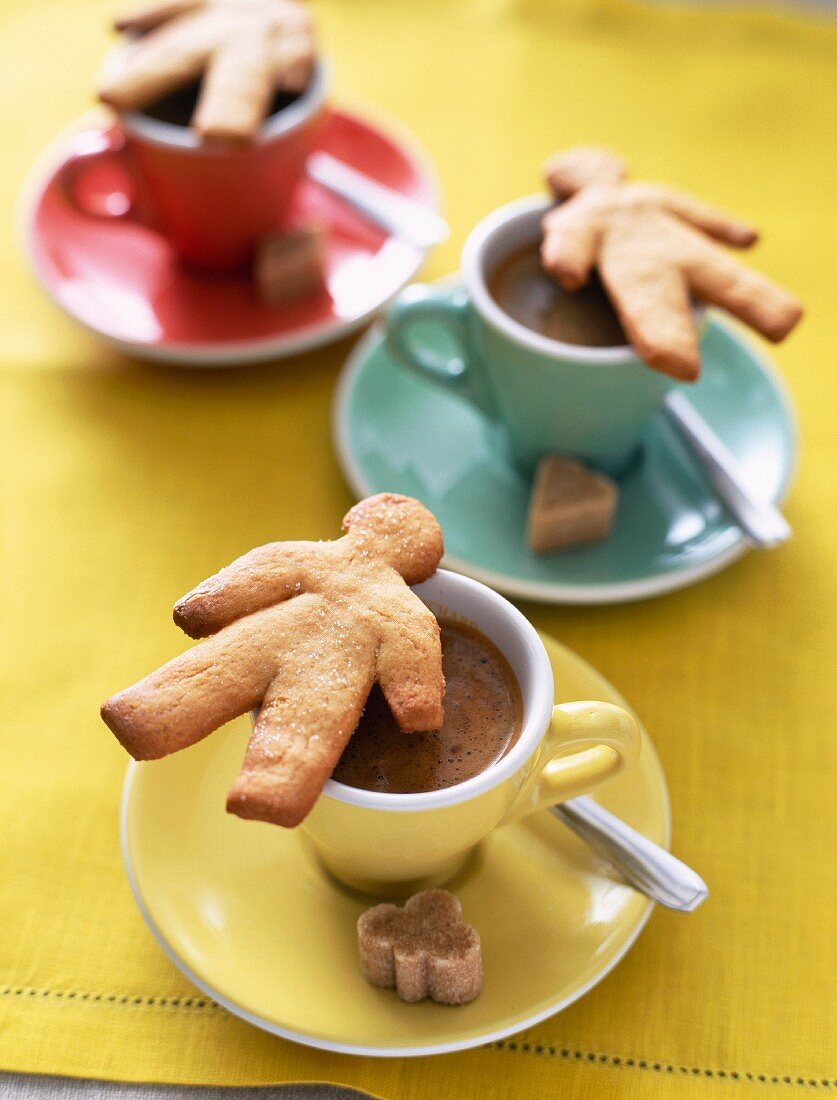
(570, 505)
(422, 950)
(290, 265)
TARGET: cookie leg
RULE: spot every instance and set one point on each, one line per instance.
(651, 296)
(720, 280)
(698, 214)
(169, 57)
(307, 717)
(236, 91)
(212, 683)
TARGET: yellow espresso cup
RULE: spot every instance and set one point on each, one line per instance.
(393, 844)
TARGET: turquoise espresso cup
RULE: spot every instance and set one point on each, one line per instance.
(589, 402)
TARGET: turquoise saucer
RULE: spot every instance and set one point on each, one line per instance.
(394, 431)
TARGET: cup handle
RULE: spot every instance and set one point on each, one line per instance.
(116, 204)
(587, 744)
(460, 373)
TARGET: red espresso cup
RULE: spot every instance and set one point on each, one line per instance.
(212, 202)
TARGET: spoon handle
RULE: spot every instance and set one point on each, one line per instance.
(763, 525)
(649, 868)
(394, 212)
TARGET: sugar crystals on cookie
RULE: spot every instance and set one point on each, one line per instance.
(300, 630)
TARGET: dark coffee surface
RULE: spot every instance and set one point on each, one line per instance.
(521, 287)
(178, 107)
(483, 715)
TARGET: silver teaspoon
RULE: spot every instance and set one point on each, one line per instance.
(763, 525)
(646, 866)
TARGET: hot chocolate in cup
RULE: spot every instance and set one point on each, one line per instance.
(548, 395)
(393, 844)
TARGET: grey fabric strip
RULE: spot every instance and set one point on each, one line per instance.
(15, 1086)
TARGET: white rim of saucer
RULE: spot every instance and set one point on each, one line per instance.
(363, 1050)
(358, 1049)
(232, 353)
(554, 591)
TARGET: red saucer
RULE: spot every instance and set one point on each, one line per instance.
(123, 281)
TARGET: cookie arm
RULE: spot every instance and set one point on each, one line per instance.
(264, 576)
(409, 663)
(700, 215)
(308, 715)
(167, 58)
(721, 280)
(650, 293)
(141, 20)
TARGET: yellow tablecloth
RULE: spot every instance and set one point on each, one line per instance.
(122, 485)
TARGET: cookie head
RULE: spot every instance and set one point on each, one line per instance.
(568, 172)
(398, 530)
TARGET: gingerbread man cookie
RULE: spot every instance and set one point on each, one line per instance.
(301, 630)
(422, 950)
(654, 247)
(245, 50)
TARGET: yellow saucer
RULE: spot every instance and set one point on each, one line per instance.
(248, 916)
